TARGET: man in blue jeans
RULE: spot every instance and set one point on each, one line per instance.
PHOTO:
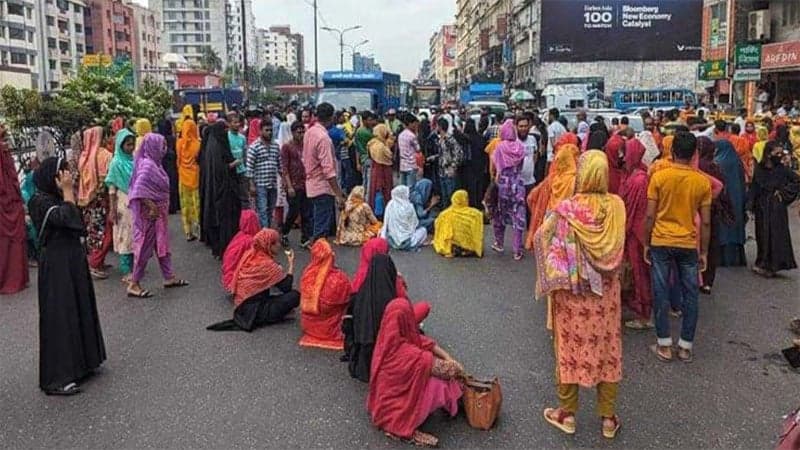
(262, 167)
(674, 196)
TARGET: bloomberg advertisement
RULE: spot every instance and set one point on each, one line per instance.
(621, 30)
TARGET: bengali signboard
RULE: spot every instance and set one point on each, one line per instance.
(747, 75)
(715, 69)
(748, 56)
(780, 55)
(621, 30)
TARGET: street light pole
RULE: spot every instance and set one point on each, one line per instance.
(316, 53)
(341, 42)
(245, 83)
(354, 47)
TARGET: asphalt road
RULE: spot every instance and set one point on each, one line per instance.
(169, 383)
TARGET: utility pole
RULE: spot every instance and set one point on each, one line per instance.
(316, 54)
(245, 83)
(341, 42)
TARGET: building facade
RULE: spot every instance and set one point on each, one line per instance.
(109, 28)
(364, 63)
(147, 51)
(236, 39)
(279, 47)
(189, 27)
(442, 57)
(19, 66)
(61, 41)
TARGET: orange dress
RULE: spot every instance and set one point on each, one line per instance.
(324, 295)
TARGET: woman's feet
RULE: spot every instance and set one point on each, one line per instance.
(705, 290)
(66, 390)
(563, 420)
(611, 426)
(419, 438)
(763, 272)
(98, 274)
(175, 283)
(662, 352)
(136, 291)
(190, 238)
(518, 256)
(639, 324)
(497, 247)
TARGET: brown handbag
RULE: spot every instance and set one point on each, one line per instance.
(482, 402)
(790, 438)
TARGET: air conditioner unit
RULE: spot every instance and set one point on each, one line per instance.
(758, 26)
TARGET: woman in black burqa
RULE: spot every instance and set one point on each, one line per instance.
(220, 205)
(70, 339)
(170, 163)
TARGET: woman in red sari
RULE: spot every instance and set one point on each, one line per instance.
(634, 194)
(410, 378)
(241, 242)
(324, 294)
(616, 174)
(13, 244)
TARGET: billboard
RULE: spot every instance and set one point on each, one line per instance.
(621, 30)
(449, 43)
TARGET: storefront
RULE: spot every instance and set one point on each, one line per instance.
(780, 71)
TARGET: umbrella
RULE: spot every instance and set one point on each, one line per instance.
(521, 96)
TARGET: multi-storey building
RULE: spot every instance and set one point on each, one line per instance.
(189, 27)
(18, 44)
(236, 39)
(61, 40)
(364, 63)
(146, 29)
(467, 41)
(109, 28)
(279, 47)
(442, 57)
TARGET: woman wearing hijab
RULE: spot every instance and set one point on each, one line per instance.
(220, 205)
(324, 295)
(411, 377)
(634, 195)
(665, 160)
(476, 169)
(70, 340)
(13, 234)
(510, 208)
(380, 151)
(375, 246)
(186, 113)
(148, 197)
(579, 251)
(762, 134)
(459, 229)
(256, 275)
(775, 186)
(118, 182)
(249, 225)
(421, 196)
(188, 149)
(141, 127)
(614, 149)
(400, 223)
(357, 223)
(557, 186)
(170, 163)
(732, 236)
(94, 201)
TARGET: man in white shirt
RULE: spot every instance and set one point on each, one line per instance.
(741, 119)
(523, 124)
(554, 131)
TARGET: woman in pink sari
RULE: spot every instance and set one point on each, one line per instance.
(148, 197)
(249, 225)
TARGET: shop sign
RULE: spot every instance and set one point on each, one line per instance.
(747, 75)
(715, 69)
(748, 56)
(780, 55)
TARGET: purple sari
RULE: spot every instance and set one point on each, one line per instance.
(150, 182)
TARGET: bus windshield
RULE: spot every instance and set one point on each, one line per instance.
(362, 100)
(427, 97)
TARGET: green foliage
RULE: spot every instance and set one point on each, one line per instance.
(18, 105)
(210, 61)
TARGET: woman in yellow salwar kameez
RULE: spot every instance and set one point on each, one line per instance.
(458, 231)
(187, 148)
(579, 250)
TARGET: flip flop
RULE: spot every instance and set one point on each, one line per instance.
(558, 422)
(70, 389)
(144, 293)
(662, 358)
(176, 284)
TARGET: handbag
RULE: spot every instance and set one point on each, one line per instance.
(379, 204)
(790, 437)
(482, 402)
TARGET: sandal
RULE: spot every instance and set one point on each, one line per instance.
(176, 284)
(638, 325)
(655, 348)
(144, 293)
(675, 313)
(496, 247)
(705, 290)
(685, 355)
(611, 432)
(518, 257)
(419, 439)
(69, 389)
(560, 419)
(98, 274)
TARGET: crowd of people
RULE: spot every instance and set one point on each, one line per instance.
(613, 218)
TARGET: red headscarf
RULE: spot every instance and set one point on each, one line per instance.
(566, 138)
(258, 270)
(634, 189)
(316, 280)
(374, 246)
(401, 367)
(248, 227)
(615, 173)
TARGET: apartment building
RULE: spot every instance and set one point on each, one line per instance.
(18, 44)
(146, 29)
(188, 27)
(61, 40)
(280, 47)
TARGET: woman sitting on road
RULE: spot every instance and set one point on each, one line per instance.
(424, 203)
(459, 229)
(410, 378)
(357, 223)
(256, 274)
(400, 223)
(249, 225)
(324, 294)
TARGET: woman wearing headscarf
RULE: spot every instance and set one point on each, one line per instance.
(188, 149)
(375, 246)
(380, 151)
(665, 160)
(634, 195)
(614, 149)
(186, 113)
(324, 295)
(579, 251)
(459, 228)
(721, 209)
(557, 186)
(411, 377)
(249, 225)
(94, 201)
(775, 186)
(476, 169)
(70, 340)
(118, 182)
(510, 208)
(148, 197)
(220, 205)
(421, 196)
(583, 134)
(256, 275)
(794, 137)
(141, 127)
(400, 223)
(170, 163)
(13, 234)
(732, 236)
(762, 134)
(357, 223)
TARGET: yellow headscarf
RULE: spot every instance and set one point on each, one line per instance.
(758, 148)
(141, 127)
(380, 145)
(459, 225)
(186, 113)
(565, 169)
(666, 156)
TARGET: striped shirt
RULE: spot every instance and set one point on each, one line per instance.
(263, 164)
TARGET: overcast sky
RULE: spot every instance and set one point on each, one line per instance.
(398, 30)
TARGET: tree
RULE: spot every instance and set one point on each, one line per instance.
(209, 60)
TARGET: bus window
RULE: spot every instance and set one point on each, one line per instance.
(677, 96)
(638, 97)
(663, 97)
(626, 97)
(651, 97)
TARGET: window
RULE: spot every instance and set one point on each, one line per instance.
(79, 48)
(31, 60)
(29, 13)
(51, 21)
(52, 63)
(19, 58)
(78, 28)
(88, 31)
(54, 85)
(30, 36)
(77, 8)
(15, 10)
(16, 33)
(51, 43)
